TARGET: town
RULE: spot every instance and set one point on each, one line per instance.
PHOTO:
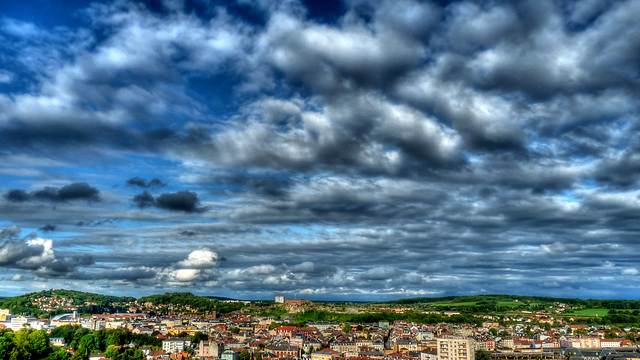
(181, 332)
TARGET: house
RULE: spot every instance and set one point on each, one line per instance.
(283, 350)
(59, 342)
(325, 354)
(96, 356)
(230, 355)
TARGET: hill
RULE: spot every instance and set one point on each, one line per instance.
(51, 302)
(184, 301)
(513, 303)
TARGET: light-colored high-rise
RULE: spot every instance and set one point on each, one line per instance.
(456, 348)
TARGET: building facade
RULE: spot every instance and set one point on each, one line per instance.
(456, 348)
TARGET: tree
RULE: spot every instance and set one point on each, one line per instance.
(258, 356)
(581, 332)
(58, 354)
(346, 328)
(610, 335)
(483, 355)
(6, 344)
(65, 331)
(569, 354)
(245, 355)
(117, 337)
(77, 335)
(198, 336)
(39, 344)
(112, 352)
(87, 345)
(21, 350)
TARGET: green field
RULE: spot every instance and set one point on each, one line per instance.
(468, 303)
(511, 304)
(590, 312)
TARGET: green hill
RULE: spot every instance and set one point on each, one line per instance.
(190, 302)
(28, 304)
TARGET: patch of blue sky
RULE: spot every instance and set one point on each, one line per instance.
(217, 92)
(569, 196)
(13, 181)
(472, 158)
(45, 13)
(589, 184)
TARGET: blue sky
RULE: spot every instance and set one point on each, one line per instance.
(348, 149)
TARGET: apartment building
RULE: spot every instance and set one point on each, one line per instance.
(456, 348)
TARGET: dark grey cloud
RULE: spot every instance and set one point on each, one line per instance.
(271, 185)
(17, 195)
(144, 200)
(143, 183)
(186, 201)
(71, 192)
(48, 227)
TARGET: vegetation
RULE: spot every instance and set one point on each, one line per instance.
(199, 303)
(24, 304)
(372, 317)
(29, 344)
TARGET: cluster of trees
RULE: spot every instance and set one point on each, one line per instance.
(622, 319)
(29, 344)
(199, 303)
(26, 345)
(409, 316)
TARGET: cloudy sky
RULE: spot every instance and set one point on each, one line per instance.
(344, 149)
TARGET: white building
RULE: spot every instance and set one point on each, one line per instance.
(456, 348)
(174, 345)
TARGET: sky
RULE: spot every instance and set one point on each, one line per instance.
(336, 150)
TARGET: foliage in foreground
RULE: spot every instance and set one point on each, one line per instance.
(29, 344)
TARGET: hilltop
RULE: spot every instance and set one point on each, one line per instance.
(53, 302)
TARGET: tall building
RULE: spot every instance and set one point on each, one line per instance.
(174, 345)
(456, 348)
(280, 299)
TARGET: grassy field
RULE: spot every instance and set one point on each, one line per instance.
(590, 312)
(510, 304)
(468, 303)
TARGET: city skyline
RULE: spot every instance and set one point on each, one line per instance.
(331, 150)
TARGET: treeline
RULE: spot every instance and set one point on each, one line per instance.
(409, 316)
(29, 344)
(199, 303)
(496, 298)
(621, 319)
(524, 300)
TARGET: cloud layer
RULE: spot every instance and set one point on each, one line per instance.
(377, 150)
